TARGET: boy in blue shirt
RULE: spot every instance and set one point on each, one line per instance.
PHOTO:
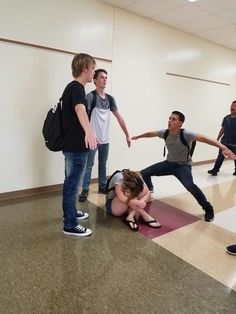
(227, 134)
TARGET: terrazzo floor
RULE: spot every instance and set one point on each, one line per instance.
(179, 268)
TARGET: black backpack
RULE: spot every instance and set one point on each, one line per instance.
(53, 127)
(93, 105)
(183, 141)
(107, 189)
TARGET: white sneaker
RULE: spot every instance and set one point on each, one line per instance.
(78, 231)
(82, 215)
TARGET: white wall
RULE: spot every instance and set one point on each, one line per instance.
(141, 52)
(72, 25)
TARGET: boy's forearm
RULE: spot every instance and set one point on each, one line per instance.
(210, 141)
(146, 135)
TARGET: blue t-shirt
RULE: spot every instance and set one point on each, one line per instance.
(229, 125)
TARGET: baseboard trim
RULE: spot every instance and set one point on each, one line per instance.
(50, 189)
(30, 192)
(204, 162)
(57, 188)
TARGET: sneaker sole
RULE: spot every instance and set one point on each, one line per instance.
(82, 217)
(77, 234)
(231, 253)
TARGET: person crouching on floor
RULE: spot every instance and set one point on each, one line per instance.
(128, 194)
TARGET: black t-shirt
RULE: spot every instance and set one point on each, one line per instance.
(73, 95)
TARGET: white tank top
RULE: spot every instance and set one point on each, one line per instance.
(100, 121)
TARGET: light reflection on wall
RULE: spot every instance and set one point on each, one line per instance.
(183, 55)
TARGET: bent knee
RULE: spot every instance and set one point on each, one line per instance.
(143, 173)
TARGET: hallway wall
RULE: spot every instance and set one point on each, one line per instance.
(138, 54)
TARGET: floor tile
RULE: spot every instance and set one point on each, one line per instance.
(203, 245)
(112, 271)
(227, 220)
(170, 217)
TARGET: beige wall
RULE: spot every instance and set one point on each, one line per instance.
(141, 52)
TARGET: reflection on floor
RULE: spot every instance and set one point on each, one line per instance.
(180, 268)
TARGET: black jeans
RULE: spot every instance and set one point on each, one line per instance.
(220, 158)
(182, 172)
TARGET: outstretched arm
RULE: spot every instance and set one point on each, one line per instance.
(225, 151)
(147, 134)
(123, 126)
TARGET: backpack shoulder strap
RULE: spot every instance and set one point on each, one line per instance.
(192, 147)
(110, 100)
(107, 189)
(185, 143)
(166, 133)
(93, 105)
(182, 138)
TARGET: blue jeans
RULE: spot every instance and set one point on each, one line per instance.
(220, 158)
(182, 172)
(75, 164)
(108, 205)
(103, 150)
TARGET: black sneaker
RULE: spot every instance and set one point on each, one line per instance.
(82, 215)
(78, 231)
(102, 191)
(212, 172)
(83, 196)
(231, 249)
(234, 174)
(209, 215)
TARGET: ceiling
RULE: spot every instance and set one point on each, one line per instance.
(214, 20)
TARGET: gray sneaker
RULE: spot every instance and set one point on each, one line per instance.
(83, 196)
(77, 231)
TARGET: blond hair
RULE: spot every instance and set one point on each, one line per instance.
(80, 62)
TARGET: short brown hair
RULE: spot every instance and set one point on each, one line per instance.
(81, 61)
(96, 72)
(132, 182)
(180, 115)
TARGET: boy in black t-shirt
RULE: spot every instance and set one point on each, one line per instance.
(79, 138)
